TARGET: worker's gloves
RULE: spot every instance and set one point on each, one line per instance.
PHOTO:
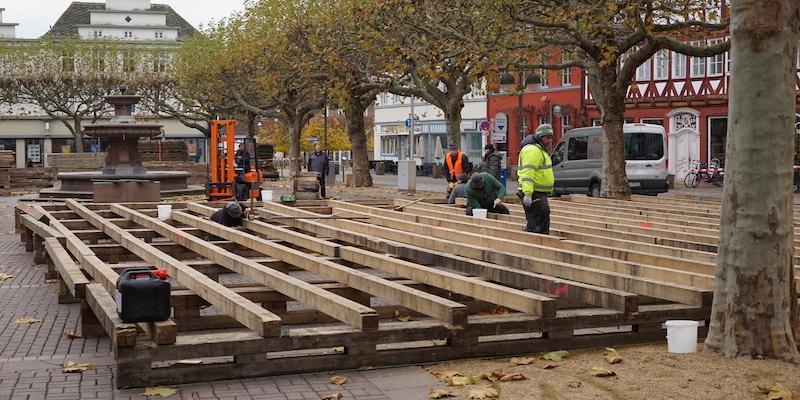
(527, 200)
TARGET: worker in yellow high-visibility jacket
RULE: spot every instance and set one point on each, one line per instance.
(536, 178)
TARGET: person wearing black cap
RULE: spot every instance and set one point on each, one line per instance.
(455, 164)
(484, 191)
(231, 215)
(492, 161)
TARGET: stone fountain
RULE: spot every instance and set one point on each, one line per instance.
(123, 178)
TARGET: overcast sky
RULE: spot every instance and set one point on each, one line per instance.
(36, 16)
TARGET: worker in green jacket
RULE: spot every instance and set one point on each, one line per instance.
(485, 191)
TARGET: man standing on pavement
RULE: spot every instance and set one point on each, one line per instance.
(455, 164)
(484, 191)
(536, 178)
(318, 162)
(492, 161)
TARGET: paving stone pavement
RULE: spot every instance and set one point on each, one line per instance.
(32, 354)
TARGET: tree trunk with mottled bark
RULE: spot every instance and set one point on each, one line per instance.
(358, 140)
(754, 313)
(615, 178)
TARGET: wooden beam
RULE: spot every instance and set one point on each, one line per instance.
(104, 307)
(248, 314)
(338, 307)
(69, 271)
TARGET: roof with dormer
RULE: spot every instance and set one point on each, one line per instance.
(78, 14)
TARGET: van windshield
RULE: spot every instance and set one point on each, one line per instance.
(643, 146)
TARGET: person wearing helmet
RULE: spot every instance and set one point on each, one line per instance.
(536, 178)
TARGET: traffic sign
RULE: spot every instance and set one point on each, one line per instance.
(408, 123)
(313, 139)
(501, 123)
(485, 125)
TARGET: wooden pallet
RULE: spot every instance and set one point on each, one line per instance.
(316, 286)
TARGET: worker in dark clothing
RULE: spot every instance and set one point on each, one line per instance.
(484, 191)
(318, 162)
(231, 215)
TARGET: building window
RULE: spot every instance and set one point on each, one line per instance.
(384, 98)
(698, 65)
(566, 77)
(643, 71)
(716, 62)
(654, 121)
(661, 65)
(98, 34)
(128, 62)
(159, 35)
(566, 123)
(543, 76)
(128, 34)
(67, 62)
(160, 62)
(389, 146)
(678, 65)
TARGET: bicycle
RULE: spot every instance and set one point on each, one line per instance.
(710, 173)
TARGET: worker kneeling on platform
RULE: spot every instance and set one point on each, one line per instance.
(230, 215)
(485, 191)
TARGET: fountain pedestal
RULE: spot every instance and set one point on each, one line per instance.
(123, 178)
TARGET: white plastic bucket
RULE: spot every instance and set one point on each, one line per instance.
(681, 336)
(165, 211)
(479, 212)
(266, 195)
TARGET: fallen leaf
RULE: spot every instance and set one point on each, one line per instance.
(445, 375)
(5, 276)
(776, 392)
(512, 377)
(574, 384)
(483, 392)
(51, 281)
(554, 355)
(402, 318)
(497, 310)
(75, 367)
(601, 372)
(498, 373)
(439, 393)
(72, 335)
(612, 357)
(550, 366)
(338, 380)
(159, 391)
(462, 381)
(522, 360)
(27, 320)
(334, 396)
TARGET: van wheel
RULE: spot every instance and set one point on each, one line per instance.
(594, 189)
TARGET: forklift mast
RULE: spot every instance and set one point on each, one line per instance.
(228, 181)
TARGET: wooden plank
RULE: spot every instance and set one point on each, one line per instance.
(533, 245)
(521, 256)
(122, 334)
(589, 294)
(70, 272)
(426, 303)
(343, 309)
(250, 315)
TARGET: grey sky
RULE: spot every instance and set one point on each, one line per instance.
(36, 16)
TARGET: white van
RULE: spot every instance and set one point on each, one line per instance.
(578, 160)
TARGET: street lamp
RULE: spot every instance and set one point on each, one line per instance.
(509, 83)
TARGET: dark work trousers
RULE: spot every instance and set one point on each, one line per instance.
(538, 214)
(321, 180)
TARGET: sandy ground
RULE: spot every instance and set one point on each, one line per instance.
(646, 372)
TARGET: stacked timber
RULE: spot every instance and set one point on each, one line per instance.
(306, 186)
(7, 159)
(28, 177)
(76, 162)
(266, 156)
(163, 150)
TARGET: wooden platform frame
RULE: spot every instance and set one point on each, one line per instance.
(305, 288)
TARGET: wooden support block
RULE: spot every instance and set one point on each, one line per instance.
(360, 349)
(646, 328)
(160, 332)
(186, 312)
(559, 334)
(90, 324)
(63, 292)
(38, 250)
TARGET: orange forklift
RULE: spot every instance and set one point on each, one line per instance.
(229, 178)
